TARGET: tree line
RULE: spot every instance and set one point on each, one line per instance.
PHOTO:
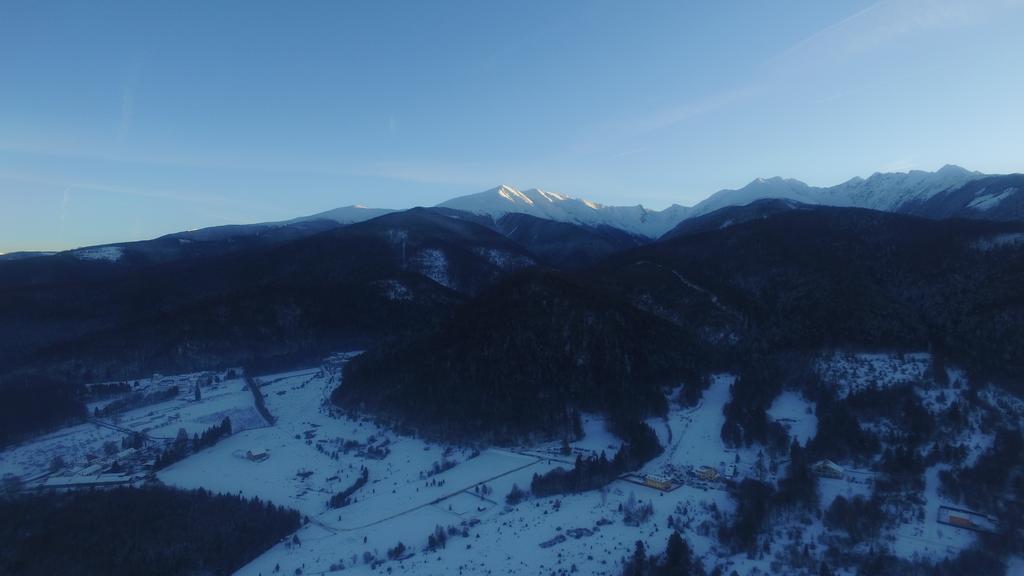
(128, 531)
(640, 444)
(181, 447)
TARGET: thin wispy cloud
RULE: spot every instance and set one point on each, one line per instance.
(64, 210)
(72, 151)
(613, 133)
(899, 165)
(880, 25)
(631, 152)
(875, 28)
(429, 172)
(408, 170)
(194, 197)
(128, 94)
(671, 116)
(127, 111)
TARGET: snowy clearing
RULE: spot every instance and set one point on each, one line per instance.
(852, 372)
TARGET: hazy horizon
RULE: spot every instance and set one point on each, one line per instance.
(365, 205)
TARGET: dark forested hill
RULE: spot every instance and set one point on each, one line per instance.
(525, 353)
(806, 279)
(564, 245)
(128, 531)
(733, 215)
(396, 273)
(521, 357)
(111, 261)
(458, 339)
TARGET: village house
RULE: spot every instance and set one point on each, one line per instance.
(828, 469)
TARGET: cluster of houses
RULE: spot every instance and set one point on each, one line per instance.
(677, 476)
(125, 467)
(674, 476)
(185, 381)
(957, 517)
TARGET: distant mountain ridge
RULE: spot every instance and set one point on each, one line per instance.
(945, 193)
(887, 192)
(950, 192)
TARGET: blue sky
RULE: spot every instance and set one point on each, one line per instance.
(127, 120)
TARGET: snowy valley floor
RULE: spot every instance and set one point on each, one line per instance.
(314, 451)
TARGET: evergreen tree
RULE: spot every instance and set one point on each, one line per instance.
(565, 448)
(577, 424)
(678, 556)
(637, 565)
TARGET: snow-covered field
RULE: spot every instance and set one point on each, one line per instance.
(796, 414)
(83, 445)
(415, 486)
(398, 505)
(692, 436)
(926, 538)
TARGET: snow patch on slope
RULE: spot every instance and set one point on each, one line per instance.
(433, 264)
(986, 202)
(1010, 240)
(395, 291)
(97, 253)
(503, 259)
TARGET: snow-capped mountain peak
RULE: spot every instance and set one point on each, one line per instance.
(344, 215)
(880, 191)
(890, 190)
(511, 194)
(759, 188)
(505, 199)
(953, 169)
